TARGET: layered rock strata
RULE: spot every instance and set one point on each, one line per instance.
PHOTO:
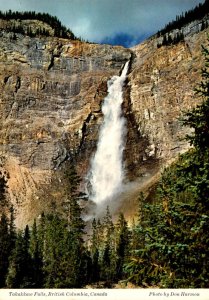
(162, 83)
(51, 92)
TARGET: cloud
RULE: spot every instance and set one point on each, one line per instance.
(100, 20)
(124, 39)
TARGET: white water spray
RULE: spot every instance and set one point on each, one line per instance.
(106, 174)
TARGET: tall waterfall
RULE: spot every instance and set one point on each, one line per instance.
(106, 174)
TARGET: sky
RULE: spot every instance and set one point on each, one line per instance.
(123, 22)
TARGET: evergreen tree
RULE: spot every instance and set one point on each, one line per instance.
(55, 249)
(197, 13)
(20, 265)
(37, 258)
(108, 253)
(12, 228)
(94, 248)
(80, 257)
(3, 187)
(4, 249)
(65, 261)
(59, 29)
(198, 118)
(174, 252)
(122, 245)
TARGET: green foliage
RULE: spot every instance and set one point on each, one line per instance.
(12, 228)
(172, 249)
(109, 248)
(49, 255)
(36, 252)
(107, 259)
(172, 246)
(3, 187)
(71, 203)
(198, 118)
(197, 13)
(66, 261)
(4, 249)
(59, 30)
(20, 267)
(122, 245)
(52, 253)
(171, 40)
(7, 233)
(55, 248)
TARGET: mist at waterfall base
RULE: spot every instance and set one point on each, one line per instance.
(106, 173)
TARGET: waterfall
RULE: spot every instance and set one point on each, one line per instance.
(106, 172)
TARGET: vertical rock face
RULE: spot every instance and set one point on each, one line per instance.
(162, 82)
(51, 91)
(160, 88)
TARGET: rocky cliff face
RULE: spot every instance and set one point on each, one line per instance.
(51, 93)
(161, 87)
(162, 83)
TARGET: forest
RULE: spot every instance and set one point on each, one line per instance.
(198, 13)
(59, 30)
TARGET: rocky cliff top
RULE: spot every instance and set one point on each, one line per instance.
(33, 24)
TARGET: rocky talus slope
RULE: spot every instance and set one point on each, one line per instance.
(51, 91)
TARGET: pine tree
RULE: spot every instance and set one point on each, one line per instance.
(65, 261)
(12, 228)
(53, 250)
(37, 258)
(94, 248)
(122, 245)
(175, 252)
(198, 118)
(3, 187)
(4, 249)
(76, 226)
(108, 253)
(20, 264)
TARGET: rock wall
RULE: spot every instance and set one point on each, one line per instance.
(162, 82)
(51, 91)
(160, 88)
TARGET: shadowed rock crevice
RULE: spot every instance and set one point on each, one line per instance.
(55, 53)
(139, 160)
